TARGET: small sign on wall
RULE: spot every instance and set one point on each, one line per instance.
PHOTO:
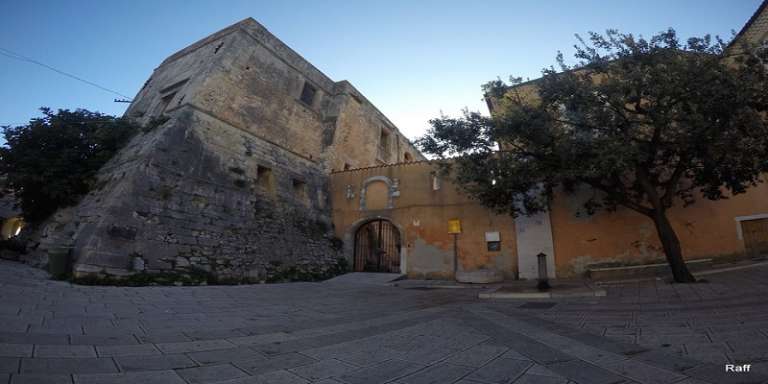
(454, 226)
(493, 241)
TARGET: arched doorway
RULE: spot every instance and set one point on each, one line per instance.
(377, 247)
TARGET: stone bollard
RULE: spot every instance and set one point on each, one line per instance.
(543, 276)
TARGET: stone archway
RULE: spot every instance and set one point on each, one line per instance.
(377, 247)
(390, 191)
(352, 231)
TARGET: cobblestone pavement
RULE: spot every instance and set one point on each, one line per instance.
(330, 333)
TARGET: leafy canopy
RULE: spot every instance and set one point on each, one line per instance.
(52, 161)
(644, 123)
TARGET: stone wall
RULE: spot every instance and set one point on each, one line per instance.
(194, 193)
(246, 77)
(231, 176)
(420, 203)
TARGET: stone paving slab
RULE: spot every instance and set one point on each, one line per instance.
(64, 351)
(219, 356)
(9, 365)
(382, 373)
(68, 365)
(15, 350)
(154, 363)
(211, 374)
(157, 377)
(501, 370)
(333, 333)
(41, 379)
(323, 369)
(127, 350)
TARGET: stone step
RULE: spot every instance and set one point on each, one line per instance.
(365, 278)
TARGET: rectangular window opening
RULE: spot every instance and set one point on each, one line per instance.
(308, 94)
(300, 190)
(165, 101)
(384, 144)
(435, 182)
(264, 179)
(493, 241)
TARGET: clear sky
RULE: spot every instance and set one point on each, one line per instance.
(412, 59)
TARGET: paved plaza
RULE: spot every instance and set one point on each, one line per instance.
(651, 332)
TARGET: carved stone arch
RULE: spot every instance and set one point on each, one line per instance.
(392, 190)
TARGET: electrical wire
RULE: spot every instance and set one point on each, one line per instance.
(16, 56)
(115, 120)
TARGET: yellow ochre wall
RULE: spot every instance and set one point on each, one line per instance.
(422, 215)
(705, 229)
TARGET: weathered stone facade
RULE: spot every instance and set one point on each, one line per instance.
(231, 173)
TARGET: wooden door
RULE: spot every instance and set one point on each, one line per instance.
(755, 234)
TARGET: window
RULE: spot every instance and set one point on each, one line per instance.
(407, 157)
(308, 94)
(167, 94)
(165, 101)
(493, 241)
(347, 167)
(300, 190)
(264, 178)
(435, 182)
(384, 144)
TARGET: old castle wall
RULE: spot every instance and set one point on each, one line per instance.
(232, 174)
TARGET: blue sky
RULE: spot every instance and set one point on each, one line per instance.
(412, 59)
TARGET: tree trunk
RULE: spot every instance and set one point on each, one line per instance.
(672, 250)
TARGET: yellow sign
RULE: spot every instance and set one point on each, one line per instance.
(454, 226)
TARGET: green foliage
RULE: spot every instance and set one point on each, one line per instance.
(643, 124)
(193, 277)
(52, 161)
(289, 273)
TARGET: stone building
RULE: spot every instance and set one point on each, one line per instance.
(252, 159)
(419, 212)
(231, 173)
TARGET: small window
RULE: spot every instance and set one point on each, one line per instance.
(300, 190)
(407, 157)
(165, 101)
(384, 144)
(264, 178)
(308, 94)
(435, 182)
(493, 241)
(347, 167)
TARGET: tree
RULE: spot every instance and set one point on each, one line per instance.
(645, 124)
(52, 161)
